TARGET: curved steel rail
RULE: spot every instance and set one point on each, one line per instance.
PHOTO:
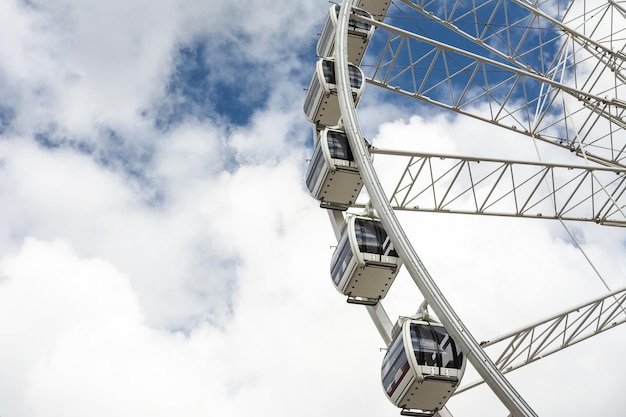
(479, 359)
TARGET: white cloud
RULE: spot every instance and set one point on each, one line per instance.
(74, 342)
(77, 66)
(72, 76)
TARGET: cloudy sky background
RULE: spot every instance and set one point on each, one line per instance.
(159, 253)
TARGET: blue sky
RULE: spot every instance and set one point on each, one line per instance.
(159, 253)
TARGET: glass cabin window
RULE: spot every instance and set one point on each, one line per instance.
(315, 168)
(360, 25)
(341, 258)
(312, 96)
(433, 346)
(372, 238)
(356, 79)
(328, 68)
(450, 357)
(338, 146)
(395, 366)
(355, 24)
(424, 345)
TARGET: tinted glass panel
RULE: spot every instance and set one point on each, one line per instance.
(372, 238)
(311, 97)
(395, 366)
(360, 25)
(341, 258)
(356, 78)
(355, 23)
(315, 168)
(338, 146)
(424, 345)
(433, 346)
(449, 356)
(328, 67)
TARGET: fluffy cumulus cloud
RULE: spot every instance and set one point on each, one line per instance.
(159, 254)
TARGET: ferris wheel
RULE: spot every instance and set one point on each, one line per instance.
(550, 71)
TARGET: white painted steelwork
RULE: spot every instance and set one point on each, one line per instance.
(488, 76)
(499, 187)
(481, 362)
(557, 77)
(548, 336)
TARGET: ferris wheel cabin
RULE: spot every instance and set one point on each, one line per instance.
(321, 105)
(422, 367)
(365, 263)
(359, 34)
(333, 177)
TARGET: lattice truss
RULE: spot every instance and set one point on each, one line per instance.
(439, 183)
(522, 347)
(551, 69)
